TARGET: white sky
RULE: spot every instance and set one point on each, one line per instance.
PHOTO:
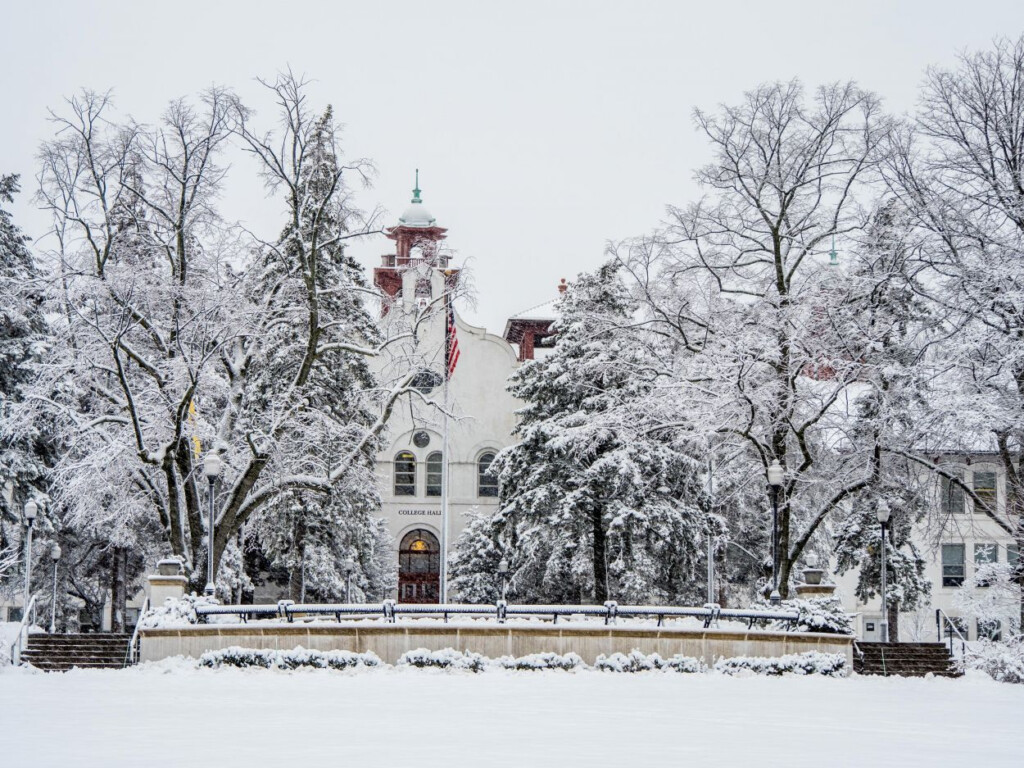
(541, 129)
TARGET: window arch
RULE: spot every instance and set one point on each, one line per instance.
(405, 474)
(435, 473)
(486, 483)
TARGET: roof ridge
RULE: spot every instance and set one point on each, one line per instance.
(535, 306)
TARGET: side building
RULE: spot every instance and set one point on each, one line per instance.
(955, 540)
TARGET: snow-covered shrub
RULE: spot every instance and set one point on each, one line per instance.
(239, 657)
(1002, 661)
(173, 612)
(810, 663)
(447, 658)
(817, 614)
(295, 658)
(537, 661)
(639, 662)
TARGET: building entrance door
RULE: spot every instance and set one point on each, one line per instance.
(419, 568)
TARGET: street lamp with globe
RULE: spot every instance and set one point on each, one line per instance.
(31, 510)
(55, 556)
(348, 566)
(882, 513)
(212, 466)
(776, 474)
(503, 575)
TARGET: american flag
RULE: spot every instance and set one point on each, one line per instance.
(451, 348)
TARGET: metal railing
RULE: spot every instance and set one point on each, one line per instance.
(132, 654)
(390, 610)
(19, 640)
(941, 616)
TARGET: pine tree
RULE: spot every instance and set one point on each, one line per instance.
(586, 512)
(22, 337)
(312, 534)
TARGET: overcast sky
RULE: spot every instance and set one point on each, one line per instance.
(541, 130)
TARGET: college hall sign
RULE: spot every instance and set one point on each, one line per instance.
(419, 512)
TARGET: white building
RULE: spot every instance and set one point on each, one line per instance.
(410, 466)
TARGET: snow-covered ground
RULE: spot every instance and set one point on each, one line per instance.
(171, 714)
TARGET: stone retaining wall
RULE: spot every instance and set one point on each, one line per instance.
(389, 641)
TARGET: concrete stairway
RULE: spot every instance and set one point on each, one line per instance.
(59, 653)
(903, 659)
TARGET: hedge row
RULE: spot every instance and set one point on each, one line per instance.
(811, 663)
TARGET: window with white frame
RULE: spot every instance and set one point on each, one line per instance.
(990, 629)
(958, 622)
(435, 473)
(952, 565)
(487, 484)
(1012, 555)
(984, 484)
(985, 554)
(405, 474)
(952, 497)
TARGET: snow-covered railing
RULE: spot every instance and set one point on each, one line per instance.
(19, 640)
(940, 618)
(132, 654)
(390, 610)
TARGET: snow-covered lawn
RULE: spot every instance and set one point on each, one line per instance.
(170, 714)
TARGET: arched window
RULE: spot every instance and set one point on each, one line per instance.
(405, 474)
(435, 473)
(487, 484)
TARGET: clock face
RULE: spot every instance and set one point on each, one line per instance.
(421, 439)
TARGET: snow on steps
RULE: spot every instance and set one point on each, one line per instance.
(59, 653)
(904, 659)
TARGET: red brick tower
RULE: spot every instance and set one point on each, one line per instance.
(417, 242)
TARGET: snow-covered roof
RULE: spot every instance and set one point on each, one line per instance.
(416, 215)
(546, 311)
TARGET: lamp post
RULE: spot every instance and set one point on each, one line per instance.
(348, 566)
(503, 575)
(31, 510)
(55, 556)
(211, 468)
(775, 477)
(882, 513)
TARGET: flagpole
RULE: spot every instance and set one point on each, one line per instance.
(444, 448)
(444, 501)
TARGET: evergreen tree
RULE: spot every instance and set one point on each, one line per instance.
(584, 510)
(22, 337)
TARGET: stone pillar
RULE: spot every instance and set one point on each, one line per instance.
(812, 586)
(168, 581)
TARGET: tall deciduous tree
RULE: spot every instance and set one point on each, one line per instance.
(179, 331)
(756, 323)
(959, 169)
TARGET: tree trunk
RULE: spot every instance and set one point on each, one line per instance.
(296, 575)
(894, 621)
(600, 556)
(118, 588)
(295, 584)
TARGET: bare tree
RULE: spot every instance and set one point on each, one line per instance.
(758, 346)
(959, 168)
(180, 331)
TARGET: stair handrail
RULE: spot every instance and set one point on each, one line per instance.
(939, 616)
(19, 640)
(131, 656)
